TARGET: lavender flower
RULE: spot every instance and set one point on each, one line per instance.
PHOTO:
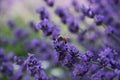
(48, 28)
(7, 68)
(33, 26)
(73, 25)
(62, 13)
(19, 33)
(11, 24)
(50, 2)
(18, 75)
(96, 28)
(34, 68)
(99, 19)
(43, 13)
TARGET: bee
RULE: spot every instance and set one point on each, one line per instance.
(62, 39)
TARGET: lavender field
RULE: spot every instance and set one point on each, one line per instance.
(59, 40)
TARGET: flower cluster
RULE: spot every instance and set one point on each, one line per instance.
(91, 52)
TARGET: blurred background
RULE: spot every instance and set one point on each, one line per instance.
(93, 31)
(26, 8)
(22, 12)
